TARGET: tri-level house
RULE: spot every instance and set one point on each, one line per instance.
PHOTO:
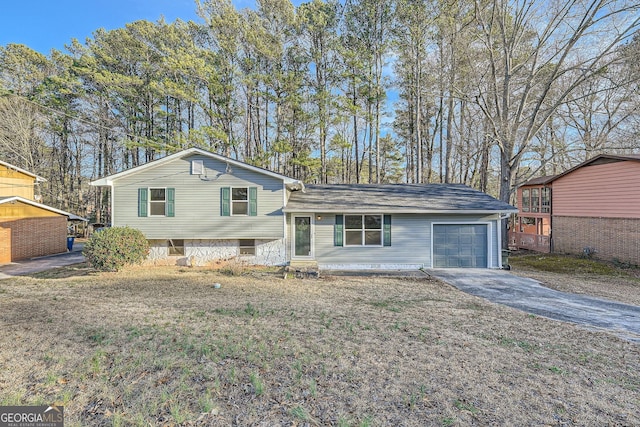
(28, 228)
(593, 208)
(196, 207)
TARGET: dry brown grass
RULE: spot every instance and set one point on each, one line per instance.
(162, 347)
(577, 275)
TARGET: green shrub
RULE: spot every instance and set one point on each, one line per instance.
(112, 248)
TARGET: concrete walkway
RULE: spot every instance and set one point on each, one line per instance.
(530, 296)
(37, 265)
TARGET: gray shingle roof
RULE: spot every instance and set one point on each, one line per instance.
(407, 198)
(541, 180)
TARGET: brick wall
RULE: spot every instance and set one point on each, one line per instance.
(33, 237)
(613, 238)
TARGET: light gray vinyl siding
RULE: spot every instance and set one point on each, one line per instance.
(410, 241)
(197, 202)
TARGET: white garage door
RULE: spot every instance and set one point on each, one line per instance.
(460, 245)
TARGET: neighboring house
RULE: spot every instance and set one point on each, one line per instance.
(593, 206)
(532, 227)
(195, 207)
(27, 228)
(15, 181)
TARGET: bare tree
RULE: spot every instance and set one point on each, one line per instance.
(531, 50)
(21, 142)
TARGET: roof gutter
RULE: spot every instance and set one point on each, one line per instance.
(401, 211)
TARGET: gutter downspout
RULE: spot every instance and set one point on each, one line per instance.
(502, 216)
(550, 220)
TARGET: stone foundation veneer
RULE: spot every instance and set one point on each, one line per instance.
(202, 252)
(370, 266)
(612, 238)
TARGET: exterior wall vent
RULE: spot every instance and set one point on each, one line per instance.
(197, 167)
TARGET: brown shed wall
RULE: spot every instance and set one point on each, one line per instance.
(612, 238)
(602, 191)
(5, 245)
(33, 237)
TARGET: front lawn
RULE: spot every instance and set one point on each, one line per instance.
(570, 273)
(164, 347)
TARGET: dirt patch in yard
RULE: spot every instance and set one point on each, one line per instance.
(577, 275)
(162, 346)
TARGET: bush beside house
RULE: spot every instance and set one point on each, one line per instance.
(115, 247)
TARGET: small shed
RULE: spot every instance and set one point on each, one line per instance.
(29, 229)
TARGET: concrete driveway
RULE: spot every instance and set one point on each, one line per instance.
(530, 296)
(36, 265)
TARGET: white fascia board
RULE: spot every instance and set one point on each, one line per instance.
(108, 180)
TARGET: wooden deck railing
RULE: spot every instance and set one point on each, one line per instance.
(534, 242)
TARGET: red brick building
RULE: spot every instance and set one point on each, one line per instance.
(594, 206)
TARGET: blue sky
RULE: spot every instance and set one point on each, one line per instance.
(46, 24)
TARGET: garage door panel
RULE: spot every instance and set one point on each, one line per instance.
(460, 245)
(466, 240)
(465, 263)
(464, 251)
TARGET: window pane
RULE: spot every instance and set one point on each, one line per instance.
(157, 194)
(239, 194)
(353, 222)
(546, 200)
(372, 238)
(157, 208)
(373, 222)
(240, 208)
(353, 238)
(525, 200)
(535, 199)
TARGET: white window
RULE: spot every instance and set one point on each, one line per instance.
(363, 230)
(157, 201)
(240, 201)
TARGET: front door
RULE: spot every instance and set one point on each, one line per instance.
(302, 236)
